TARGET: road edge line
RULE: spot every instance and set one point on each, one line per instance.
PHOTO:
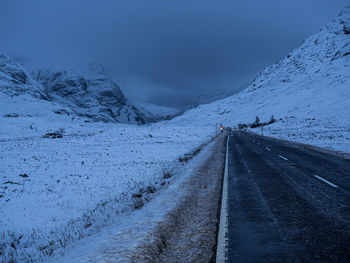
(221, 251)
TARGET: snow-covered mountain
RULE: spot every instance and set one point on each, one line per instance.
(89, 93)
(309, 90)
(86, 90)
(157, 112)
(16, 80)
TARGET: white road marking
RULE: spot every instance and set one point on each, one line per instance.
(284, 158)
(221, 251)
(325, 181)
(259, 143)
(268, 149)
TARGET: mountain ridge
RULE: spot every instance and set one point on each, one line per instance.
(307, 92)
(86, 90)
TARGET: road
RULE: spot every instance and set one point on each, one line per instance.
(286, 203)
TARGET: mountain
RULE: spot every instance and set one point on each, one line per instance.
(86, 90)
(208, 97)
(157, 112)
(16, 80)
(89, 93)
(308, 92)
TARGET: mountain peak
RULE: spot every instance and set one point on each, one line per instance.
(85, 89)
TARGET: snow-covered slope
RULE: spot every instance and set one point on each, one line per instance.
(210, 96)
(86, 90)
(15, 79)
(309, 90)
(157, 112)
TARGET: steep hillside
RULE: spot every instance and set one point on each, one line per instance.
(156, 112)
(89, 93)
(16, 80)
(308, 92)
(86, 90)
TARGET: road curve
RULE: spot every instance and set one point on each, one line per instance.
(286, 203)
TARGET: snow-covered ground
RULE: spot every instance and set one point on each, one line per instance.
(145, 235)
(55, 191)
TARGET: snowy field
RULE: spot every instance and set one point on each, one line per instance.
(138, 236)
(54, 191)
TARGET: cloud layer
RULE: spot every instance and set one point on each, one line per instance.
(166, 52)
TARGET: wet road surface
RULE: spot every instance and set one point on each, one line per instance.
(286, 203)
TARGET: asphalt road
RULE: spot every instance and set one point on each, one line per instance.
(286, 203)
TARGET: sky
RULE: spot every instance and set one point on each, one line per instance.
(161, 51)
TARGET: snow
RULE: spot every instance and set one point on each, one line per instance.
(157, 110)
(84, 182)
(87, 90)
(120, 241)
(79, 183)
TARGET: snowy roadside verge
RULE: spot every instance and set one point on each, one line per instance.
(188, 232)
(178, 225)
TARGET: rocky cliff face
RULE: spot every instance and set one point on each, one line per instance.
(89, 92)
(15, 79)
(86, 90)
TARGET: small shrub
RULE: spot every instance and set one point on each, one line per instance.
(150, 189)
(272, 120)
(138, 203)
(138, 195)
(167, 175)
(54, 135)
(11, 115)
(242, 126)
(257, 120)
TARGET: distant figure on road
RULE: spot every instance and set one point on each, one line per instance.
(221, 128)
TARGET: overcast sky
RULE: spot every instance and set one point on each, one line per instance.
(165, 52)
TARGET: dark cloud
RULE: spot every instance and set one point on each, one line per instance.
(165, 52)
